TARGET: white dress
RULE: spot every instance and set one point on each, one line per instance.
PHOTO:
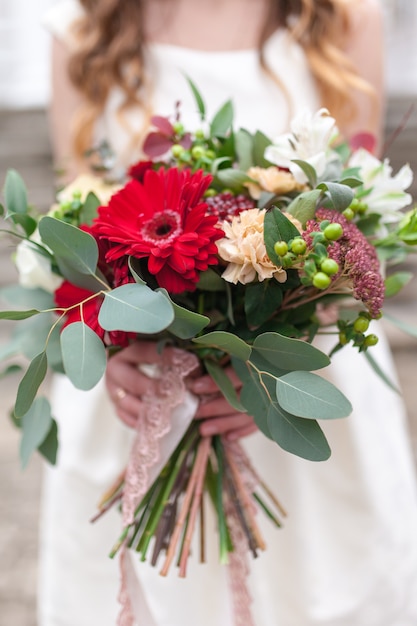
(347, 555)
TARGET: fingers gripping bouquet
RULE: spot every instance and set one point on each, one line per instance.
(232, 252)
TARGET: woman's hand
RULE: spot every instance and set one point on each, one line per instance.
(126, 384)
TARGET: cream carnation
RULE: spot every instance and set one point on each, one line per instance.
(271, 179)
(244, 249)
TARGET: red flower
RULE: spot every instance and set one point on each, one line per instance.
(164, 220)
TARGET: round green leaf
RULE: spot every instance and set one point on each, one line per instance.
(289, 354)
(15, 193)
(227, 342)
(36, 424)
(83, 355)
(307, 395)
(135, 308)
(72, 247)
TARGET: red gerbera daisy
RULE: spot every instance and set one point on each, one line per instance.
(164, 220)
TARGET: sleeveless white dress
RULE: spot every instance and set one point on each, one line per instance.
(347, 555)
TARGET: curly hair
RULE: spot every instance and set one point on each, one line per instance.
(110, 52)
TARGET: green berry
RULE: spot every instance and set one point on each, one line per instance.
(329, 266)
(343, 340)
(321, 280)
(197, 152)
(210, 193)
(298, 246)
(281, 248)
(370, 340)
(333, 231)
(361, 325)
(178, 128)
(199, 133)
(287, 260)
(210, 154)
(349, 214)
(177, 150)
(77, 194)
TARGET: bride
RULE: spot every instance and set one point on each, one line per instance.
(348, 553)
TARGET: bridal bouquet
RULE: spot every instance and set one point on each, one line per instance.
(228, 249)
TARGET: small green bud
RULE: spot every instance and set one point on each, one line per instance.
(321, 280)
(329, 266)
(348, 214)
(343, 340)
(197, 152)
(281, 248)
(298, 245)
(210, 193)
(177, 150)
(361, 325)
(370, 340)
(178, 128)
(199, 133)
(77, 194)
(287, 260)
(333, 231)
(210, 154)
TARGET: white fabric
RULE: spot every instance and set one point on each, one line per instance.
(347, 555)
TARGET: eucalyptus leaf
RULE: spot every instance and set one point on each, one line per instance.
(49, 446)
(35, 425)
(30, 383)
(227, 342)
(186, 323)
(222, 121)
(341, 196)
(244, 149)
(224, 383)
(31, 334)
(83, 355)
(253, 395)
(88, 211)
(10, 370)
(303, 207)
(289, 354)
(15, 193)
(307, 395)
(72, 247)
(277, 227)
(135, 269)
(27, 297)
(25, 221)
(135, 308)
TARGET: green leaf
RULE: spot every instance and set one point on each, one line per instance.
(32, 333)
(260, 144)
(186, 323)
(73, 248)
(198, 98)
(232, 178)
(27, 222)
(395, 282)
(253, 395)
(308, 170)
(351, 181)
(227, 342)
(49, 446)
(36, 424)
(15, 193)
(224, 383)
(135, 269)
(222, 121)
(277, 227)
(30, 383)
(135, 308)
(406, 328)
(380, 372)
(341, 196)
(88, 211)
(303, 207)
(261, 301)
(244, 149)
(211, 281)
(296, 435)
(83, 355)
(10, 370)
(27, 297)
(289, 354)
(307, 395)
(18, 315)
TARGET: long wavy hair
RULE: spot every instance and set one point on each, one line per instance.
(110, 52)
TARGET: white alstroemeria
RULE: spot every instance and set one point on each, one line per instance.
(386, 192)
(34, 268)
(309, 140)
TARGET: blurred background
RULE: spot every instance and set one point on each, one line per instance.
(24, 145)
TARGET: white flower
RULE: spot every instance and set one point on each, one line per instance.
(84, 183)
(309, 140)
(34, 268)
(386, 192)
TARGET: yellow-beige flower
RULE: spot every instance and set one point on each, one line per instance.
(84, 183)
(243, 248)
(272, 180)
